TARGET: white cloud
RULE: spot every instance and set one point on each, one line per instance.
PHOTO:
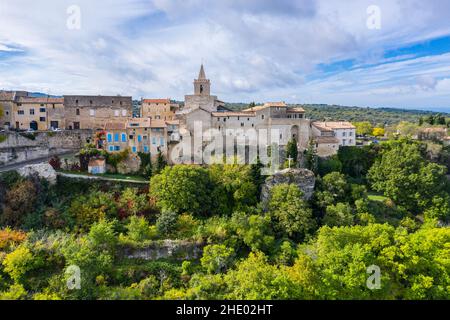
(252, 50)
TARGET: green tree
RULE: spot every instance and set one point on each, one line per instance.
(184, 188)
(216, 258)
(19, 262)
(403, 175)
(254, 230)
(138, 229)
(20, 200)
(311, 159)
(338, 215)
(290, 212)
(363, 128)
(237, 185)
(161, 162)
(292, 152)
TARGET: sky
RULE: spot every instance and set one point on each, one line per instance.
(390, 53)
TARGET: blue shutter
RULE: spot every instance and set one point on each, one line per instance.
(109, 137)
(116, 137)
(134, 149)
(139, 138)
(124, 137)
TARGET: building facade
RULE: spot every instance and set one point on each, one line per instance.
(158, 109)
(93, 112)
(343, 131)
(37, 113)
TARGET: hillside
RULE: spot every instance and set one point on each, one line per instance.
(374, 115)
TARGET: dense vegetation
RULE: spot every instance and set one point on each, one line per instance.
(376, 116)
(385, 205)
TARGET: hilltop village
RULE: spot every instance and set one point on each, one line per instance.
(161, 124)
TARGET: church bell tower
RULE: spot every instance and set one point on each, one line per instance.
(202, 85)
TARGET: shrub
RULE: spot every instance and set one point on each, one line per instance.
(138, 229)
(166, 222)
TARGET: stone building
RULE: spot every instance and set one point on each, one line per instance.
(7, 104)
(211, 112)
(37, 113)
(343, 131)
(93, 112)
(138, 135)
(158, 109)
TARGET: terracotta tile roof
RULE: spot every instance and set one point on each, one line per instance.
(275, 104)
(156, 100)
(255, 108)
(295, 110)
(233, 114)
(96, 162)
(326, 140)
(326, 126)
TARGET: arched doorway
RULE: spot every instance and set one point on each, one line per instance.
(33, 125)
(294, 132)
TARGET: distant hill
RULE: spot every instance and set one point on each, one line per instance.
(354, 114)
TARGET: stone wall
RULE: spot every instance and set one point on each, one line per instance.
(303, 178)
(166, 249)
(17, 147)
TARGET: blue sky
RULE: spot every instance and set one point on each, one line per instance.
(304, 51)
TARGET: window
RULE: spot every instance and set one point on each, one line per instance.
(350, 134)
(218, 119)
(116, 137)
(344, 134)
(42, 104)
(116, 148)
(350, 141)
(146, 149)
(131, 137)
(7, 113)
(92, 112)
(124, 137)
(116, 113)
(78, 111)
(242, 124)
(111, 148)
(42, 119)
(31, 111)
(139, 138)
(124, 112)
(133, 149)
(153, 140)
(109, 137)
(20, 112)
(161, 141)
(343, 141)
(262, 116)
(41, 109)
(90, 101)
(76, 101)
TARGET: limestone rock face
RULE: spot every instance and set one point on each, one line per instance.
(130, 165)
(303, 178)
(42, 170)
